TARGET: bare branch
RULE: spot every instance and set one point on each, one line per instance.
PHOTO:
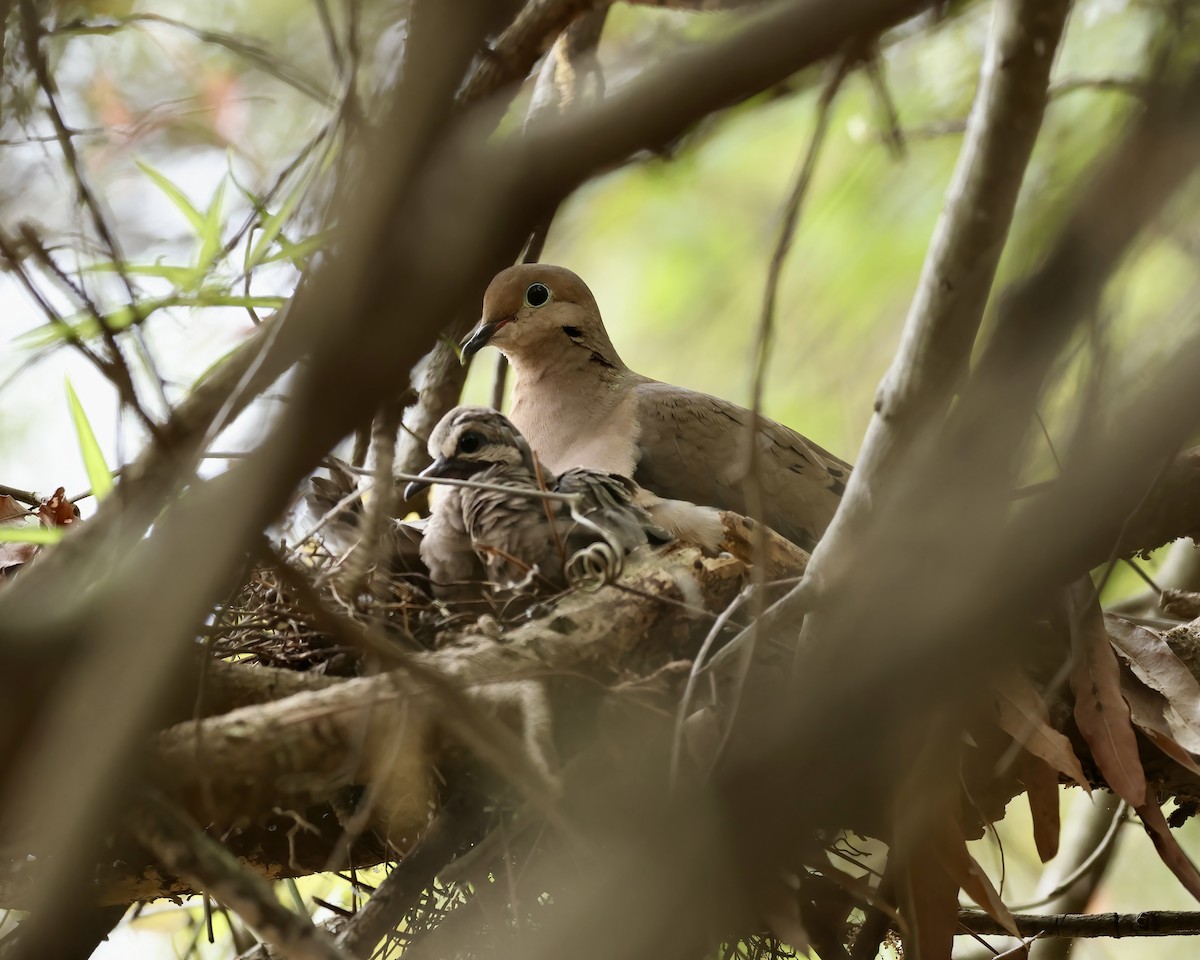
(183, 849)
(1149, 923)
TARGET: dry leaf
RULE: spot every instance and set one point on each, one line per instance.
(58, 511)
(1100, 711)
(1041, 790)
(1168, 848)
(1024, 717)
(931, 905)
(1148, 710)
(1153, 662)
(13, 555)
(10, 509)
(969, 875)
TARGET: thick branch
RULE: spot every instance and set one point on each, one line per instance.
(960, 267)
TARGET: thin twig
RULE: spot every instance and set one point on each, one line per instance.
(185, 850)
(766, 323)
(1149, 923)
(32, 33)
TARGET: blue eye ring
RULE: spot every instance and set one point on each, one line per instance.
(537, 295)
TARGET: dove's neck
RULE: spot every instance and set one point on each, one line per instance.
(577, 410)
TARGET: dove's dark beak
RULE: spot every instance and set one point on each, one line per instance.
(442, 467)
(481, 336)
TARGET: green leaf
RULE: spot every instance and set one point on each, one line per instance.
(185, 277)
(30, 534)
(299, 252)
(176, 196)
(85, 325)
(99, 476)
(210, 233)
(273, 225)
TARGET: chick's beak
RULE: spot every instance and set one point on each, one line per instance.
(441, 467)
(481, 336)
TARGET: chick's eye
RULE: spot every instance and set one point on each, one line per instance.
(469, 443)
(536, 294)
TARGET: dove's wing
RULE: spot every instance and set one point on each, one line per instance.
(693, 447)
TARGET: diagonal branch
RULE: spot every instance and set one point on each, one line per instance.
(184, 850)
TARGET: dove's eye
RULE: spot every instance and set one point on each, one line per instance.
(537, 294)
(469, 443)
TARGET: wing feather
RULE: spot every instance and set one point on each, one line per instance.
(693, 447)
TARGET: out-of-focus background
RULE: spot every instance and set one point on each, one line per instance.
(177, 103)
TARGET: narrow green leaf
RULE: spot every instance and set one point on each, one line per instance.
(84, 325)
(299, 252)
(185, 277)
(210, 233)
(99, 476)
(176, 196)
(10, 533)
(273, 225)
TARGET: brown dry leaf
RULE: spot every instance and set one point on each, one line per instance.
(1041, 790)
(1024, 717)
(1100, 711)
(1168, 848)
(1155, 664)
(970, 876)
(930, 898)
(1148, 710)
(10, 509)
(58, 511)
(14, 555)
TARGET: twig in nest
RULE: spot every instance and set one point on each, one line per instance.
(402, 888)
(182, 848)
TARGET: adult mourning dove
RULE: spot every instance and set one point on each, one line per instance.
(499, 536)
(578, 404)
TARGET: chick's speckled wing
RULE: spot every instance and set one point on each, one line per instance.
(510, 533)
(607, 500)
(693, 447)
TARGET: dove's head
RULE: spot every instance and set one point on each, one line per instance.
(536, 311)
(469, 440)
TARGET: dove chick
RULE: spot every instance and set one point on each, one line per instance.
(579, 405)
(505, 537)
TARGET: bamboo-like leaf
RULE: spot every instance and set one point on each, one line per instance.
(10, 533)
(1100, 711)
(176, 196)
(99, 476)
(210, 232)
(300, 251)
(86, 326)
(273, 225)
(185, 277)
